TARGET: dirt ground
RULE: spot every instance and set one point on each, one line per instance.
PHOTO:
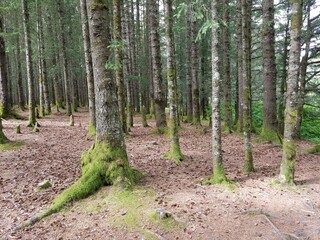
(255, 209)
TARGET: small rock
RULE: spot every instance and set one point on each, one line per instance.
(163, 213)
(44, 185)
(154, 143)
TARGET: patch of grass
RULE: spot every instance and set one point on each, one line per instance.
(224, 183)
(314, 150)
(166, 224)
(11, 145)
(160, 131)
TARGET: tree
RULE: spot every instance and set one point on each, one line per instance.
(88, 64)
(27, 40)
(4, 103)
(218, 168)
(106, 162)
(118, 62)
(226, 69)
(269, 128)
(287, 167)
(248, 161)
(175, 151)
(159, 100)
(64, 58)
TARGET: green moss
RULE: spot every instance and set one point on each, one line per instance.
(160, 131)
(100, 165)
(2, 110)
(174, 153)
(91, 131)
(10, 145)
(268, 134)
(95, 6)
(248, 162)
(219, 177)
(314, 150)
(287, 167)
(166, 224)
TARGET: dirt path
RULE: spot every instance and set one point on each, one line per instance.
(254, 210)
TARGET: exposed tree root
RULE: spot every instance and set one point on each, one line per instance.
(100, 165)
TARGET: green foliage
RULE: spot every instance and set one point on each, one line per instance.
(310, 129)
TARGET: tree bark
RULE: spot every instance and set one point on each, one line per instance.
(88, 63)
(27, 39)
(248, 161)
(4, 98)
(118, 62)
(240, 58)
(218, 167)
(188, 67)
(269, 128)
(226, 69)
(64, 58)
(159, 100)
(287, 167)
(175, 151)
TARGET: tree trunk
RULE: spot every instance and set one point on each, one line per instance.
(248, 161)
(64, 58)
(118, 63)
(283, 78)
(21, 99)
(159, 101)
(175, 152)
(27, 39)
(188, 67)
(269, 128)
(303, 73)
(4, 98)
(194, 73)
(226, 69)
(218, 168)
(240, 58)
(290, 120)
(88, 63)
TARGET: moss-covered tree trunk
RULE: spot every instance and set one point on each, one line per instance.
(218, 168)
(159, 100)
(106, 163)
(269, 128)
(27, 40)
(175, 152)
(118, 62)
(226, 69)
(287, 167)
(248, 160)
(88, 63)
(4, 103)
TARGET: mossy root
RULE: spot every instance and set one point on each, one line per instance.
(101, 165)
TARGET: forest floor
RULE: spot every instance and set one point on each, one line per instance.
(255, 209)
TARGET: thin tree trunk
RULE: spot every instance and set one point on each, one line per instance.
(226, 69)
(188, 67)
(27, 38)
(283, 78)
(287, 167)
(64, 58)
(159, 100)
(240, 66)
(175, 152)
(218, 168)
(88, 63)
(269, 128)
(4, 98)
(118, 62)
(248, 161)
